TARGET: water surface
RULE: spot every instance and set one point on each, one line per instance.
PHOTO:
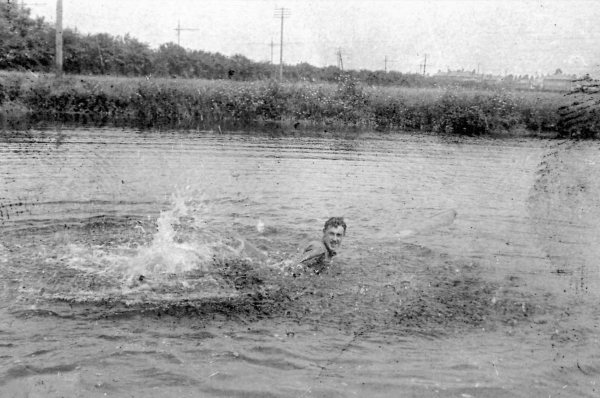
(501, 303)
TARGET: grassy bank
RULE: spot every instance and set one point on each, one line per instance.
(186, 103)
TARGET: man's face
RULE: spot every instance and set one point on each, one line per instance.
(332, 237)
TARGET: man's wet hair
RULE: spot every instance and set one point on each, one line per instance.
(335, 222)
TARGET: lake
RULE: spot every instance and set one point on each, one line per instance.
(149, 264)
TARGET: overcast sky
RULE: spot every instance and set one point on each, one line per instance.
(500, 37)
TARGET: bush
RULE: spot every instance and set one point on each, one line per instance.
(10, 87)
(388, 112)
(580, 117)
(460, 116)
(350, 103)
(271, 101)
(164, 102)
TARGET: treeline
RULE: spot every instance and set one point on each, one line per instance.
(29, 44)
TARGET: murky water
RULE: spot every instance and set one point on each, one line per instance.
(146, 264)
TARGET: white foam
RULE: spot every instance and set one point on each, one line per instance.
(182, 243)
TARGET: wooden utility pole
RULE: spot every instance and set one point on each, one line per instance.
(424, 65)
(179, 29)
(281, 13)
(386, 61)
(59, 39)
(340, 62)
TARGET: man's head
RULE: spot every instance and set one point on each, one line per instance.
(333, 232)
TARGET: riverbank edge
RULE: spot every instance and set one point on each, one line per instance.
(191, 104)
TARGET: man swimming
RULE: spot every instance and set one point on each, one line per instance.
(317, 255)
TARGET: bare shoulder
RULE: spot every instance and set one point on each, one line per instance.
(314, 245)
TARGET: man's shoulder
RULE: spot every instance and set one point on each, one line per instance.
(314, 255)
(314, 245)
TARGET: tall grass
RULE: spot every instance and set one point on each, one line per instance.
(186, 102)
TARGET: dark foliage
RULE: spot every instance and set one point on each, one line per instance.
(28, 44)
(580, 118)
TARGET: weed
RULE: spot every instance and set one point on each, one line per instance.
(187, 102)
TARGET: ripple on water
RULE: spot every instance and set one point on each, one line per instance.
(433, 296)
(434, 314)
(565, 209)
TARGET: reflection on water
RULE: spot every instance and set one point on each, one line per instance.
(143, 263)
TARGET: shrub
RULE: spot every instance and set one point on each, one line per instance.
(460, 116)
(388, 112)
(580, 118)
(186, 102)
(349, 103)
(271, 101)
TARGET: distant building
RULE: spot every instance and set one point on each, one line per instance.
(523, 83)
(467, 76)
(558, 82)
(538, 83)
(459, 76)
(492, 79)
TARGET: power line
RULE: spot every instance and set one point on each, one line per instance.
(273, 44)
(270, 44)
(23, 4)
(281, 13)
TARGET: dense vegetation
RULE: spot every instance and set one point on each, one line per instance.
(213, 88)
(193, 102)
(27, 44)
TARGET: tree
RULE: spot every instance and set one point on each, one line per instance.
(136, 56)
(23, 40)
(172, 60)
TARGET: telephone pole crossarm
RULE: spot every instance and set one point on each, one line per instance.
(179, 29)
(387, 61)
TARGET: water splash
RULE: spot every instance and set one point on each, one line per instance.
(170, 252)
(260, 226)
(182, 254)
